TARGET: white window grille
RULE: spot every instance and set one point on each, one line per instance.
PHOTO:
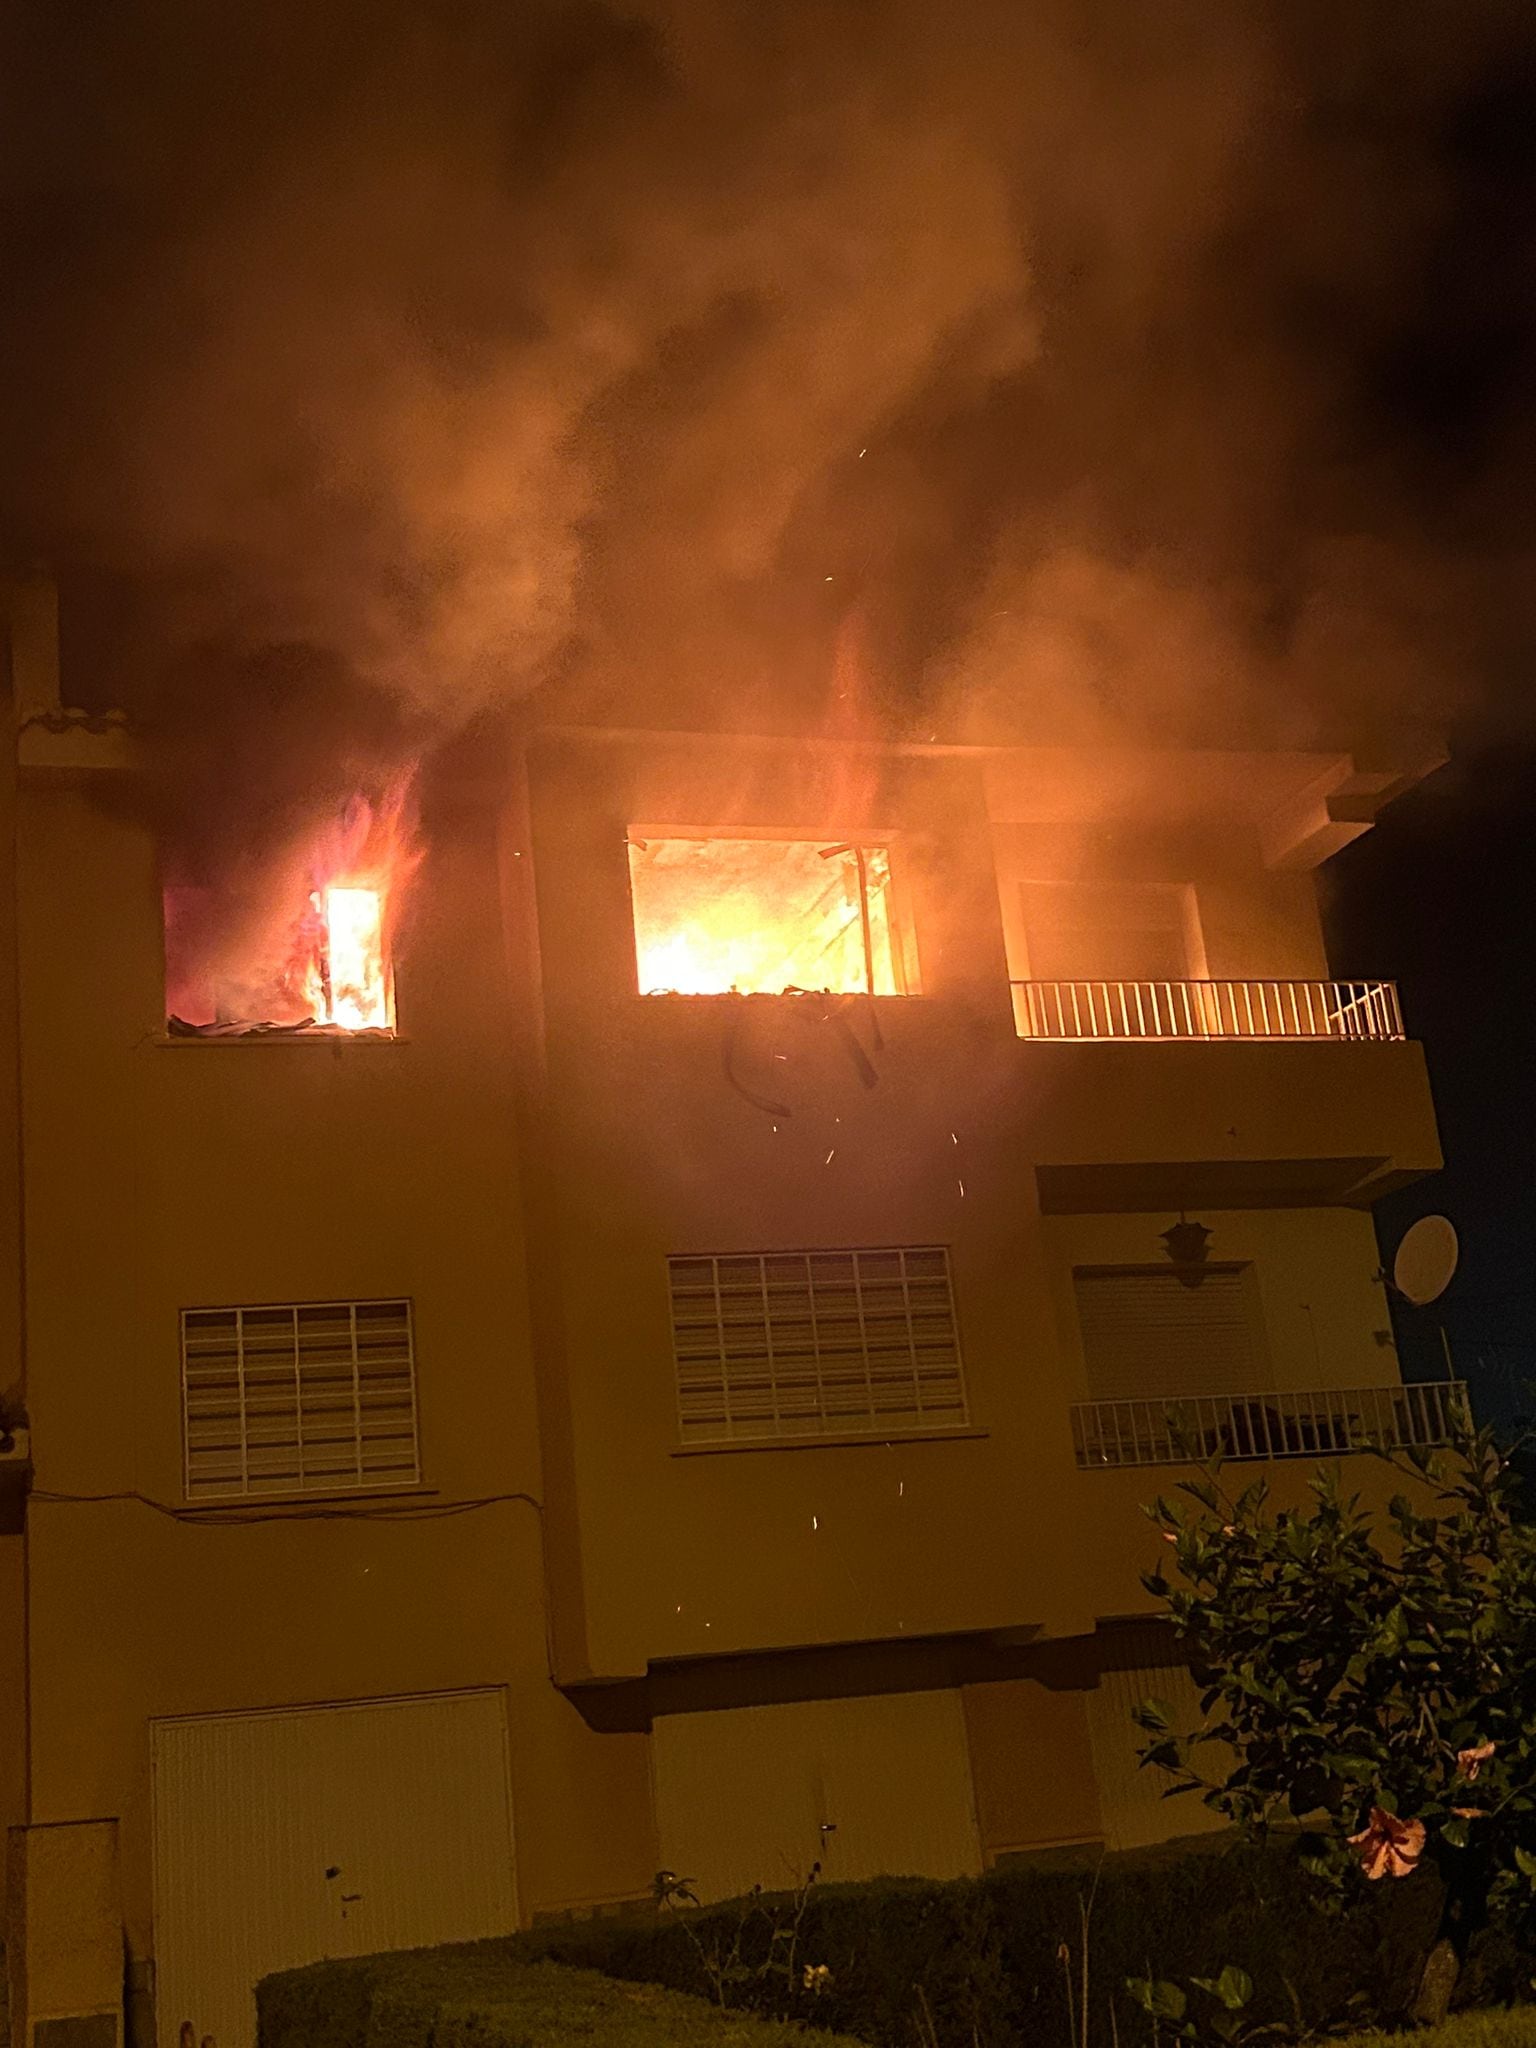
(298, 1397)
(774, 1345)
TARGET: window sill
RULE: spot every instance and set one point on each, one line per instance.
(864, 1440)
(333, 1039)
(776, 995)
(293, 1504)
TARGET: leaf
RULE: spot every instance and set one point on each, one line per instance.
(1358, 1768)
(1234, 1987)
(1155, 1715)
(1525, 1862)
(1318, 1856)
(1164, 2001)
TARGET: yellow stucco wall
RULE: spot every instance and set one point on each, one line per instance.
(166, 1176)
(655, 1148)
(520, 1164)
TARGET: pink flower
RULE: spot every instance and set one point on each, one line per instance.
(1229, 1528)
(1467, 1812)
(1170, 1536)
(1389, 1847)
(1470, 1761)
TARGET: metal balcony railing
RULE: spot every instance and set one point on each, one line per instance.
(1299, 1425)
(1184, 1010)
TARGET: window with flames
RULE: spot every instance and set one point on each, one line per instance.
(716, 915)
(303, 944)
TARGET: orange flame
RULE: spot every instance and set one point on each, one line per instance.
(350, 974)
(759, 916)
(307, 943)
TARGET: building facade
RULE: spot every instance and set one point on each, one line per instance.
(680, 1392)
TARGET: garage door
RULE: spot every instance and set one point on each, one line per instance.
(283, 1838)
(873, 1787)
(1142, 1664)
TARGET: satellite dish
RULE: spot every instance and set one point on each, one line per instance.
(1426, 1260)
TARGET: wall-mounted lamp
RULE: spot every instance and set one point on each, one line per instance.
(1188, 1247)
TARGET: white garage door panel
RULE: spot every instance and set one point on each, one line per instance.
(406, 1800)
(742, 1794)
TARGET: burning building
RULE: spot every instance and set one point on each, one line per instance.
(684, 1398)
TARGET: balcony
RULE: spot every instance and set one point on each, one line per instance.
(1184, 1012)
(1323, 1423)
(1268, 1090)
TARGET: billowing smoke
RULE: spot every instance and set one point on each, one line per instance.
(1123, 366)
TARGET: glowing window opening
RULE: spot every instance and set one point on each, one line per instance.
(323, 970)
(720, 916)
(354, 978)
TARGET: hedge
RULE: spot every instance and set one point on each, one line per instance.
(983, 1957)
(489, 1995)
(916, 1963)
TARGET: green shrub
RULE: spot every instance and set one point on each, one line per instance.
(489, 1995)
(985, 1955)
(915, 1963)
(1373, 1675)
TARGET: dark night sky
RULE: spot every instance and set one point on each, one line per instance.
(1440, 895)
(1439, 898)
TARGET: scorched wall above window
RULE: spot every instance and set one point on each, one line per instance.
(716, 915)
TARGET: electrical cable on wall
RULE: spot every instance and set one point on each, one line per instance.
(216, 1514)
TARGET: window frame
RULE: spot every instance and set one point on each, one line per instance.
(200, 1494)
(1250, 1295)
(906, 959)
(1182, 923)
(832, 1428)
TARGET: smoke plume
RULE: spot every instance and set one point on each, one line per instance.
(1125, 367)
